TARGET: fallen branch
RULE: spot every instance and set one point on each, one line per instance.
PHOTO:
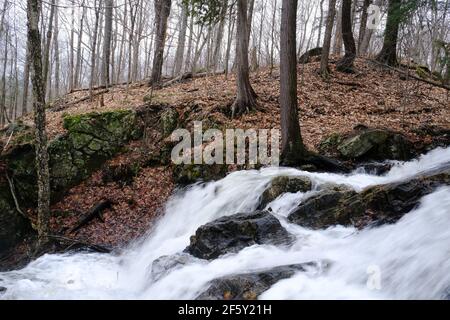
(407, 74)
(68, 104)
(139, 84)
(182, 77)
(190, 75)
(94, 212)
(95, 247)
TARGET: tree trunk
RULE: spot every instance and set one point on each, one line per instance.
(26, 79)
(246, 97)
(388, 53)
(272, 37)
(338, 32)
(251, 7)
(292, 148)
(94, 45)
(162, 12)
(188, 61)
(48, 42)
(79, 51)
(363, 23)
(106, 79)
(4, 114)
(72, 53)
(37, 80)
(56, 53)
(219, 35)
(327, 40)
(179, 55)
(319, 37)
(231, 24)
(346, 63)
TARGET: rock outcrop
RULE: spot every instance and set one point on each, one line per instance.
(373, 206)
(365, 144)
(89, 141)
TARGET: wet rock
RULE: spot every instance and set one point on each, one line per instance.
(373, 206)
(250, 286)
(376, 144)
(317, 211)
(284, 184)
(2, 290)
(232, 233)
(376, 168)
(166, 264)
(330, 186)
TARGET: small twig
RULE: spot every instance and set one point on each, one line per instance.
(16, 202)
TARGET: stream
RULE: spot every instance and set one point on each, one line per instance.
(406, 260)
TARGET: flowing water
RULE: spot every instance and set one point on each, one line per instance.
(406, 260)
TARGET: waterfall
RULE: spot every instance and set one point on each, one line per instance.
(406, 260)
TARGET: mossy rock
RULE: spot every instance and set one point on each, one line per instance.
(169, 121)
(90, 140)
(328, 146)
(376, 144)
(191, 173)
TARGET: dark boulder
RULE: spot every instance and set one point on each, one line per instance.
(318, 211)
(232, 233)
(373, 206)
(284, 184)
(250, 286)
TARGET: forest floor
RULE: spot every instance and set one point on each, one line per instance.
(372, 96)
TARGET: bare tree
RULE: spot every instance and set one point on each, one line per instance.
(94, 45)
(37, 80)
(179, 55)
(388, 53)
(346, 63)
(106, 80)
(292, 148)
(363, 23)
(246, 96)
(56, 52)
(162, 12)
(327, 40)
(48, 43)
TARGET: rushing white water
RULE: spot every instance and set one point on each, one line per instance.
(409, 259)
